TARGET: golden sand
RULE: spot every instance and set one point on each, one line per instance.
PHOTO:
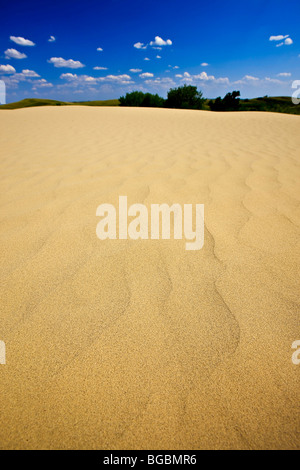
(142, 344)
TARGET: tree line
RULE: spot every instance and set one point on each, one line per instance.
(184, 97)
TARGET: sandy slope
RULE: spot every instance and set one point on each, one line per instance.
(142, 344)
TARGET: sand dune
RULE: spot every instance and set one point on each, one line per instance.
(141, 344)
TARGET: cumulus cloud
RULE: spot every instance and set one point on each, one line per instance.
(146, 75)
(42, 84)
(283, 40)
(119, 78)
(250, 78)
(165, 82)
(274, 80)
(69, 76)
(30, 73)
(52, 39)
(158, 44)
(7, 69)
(135, 70)
(99, 49)
(25, 76)
(59, 62)
(14, 54)
(140, 45)
(158, 57)
(203, 77)
(21, 41)
(100, 68)
(147, 58)
(86, 79)
(204, 64)
(278, 38)
(158, 41)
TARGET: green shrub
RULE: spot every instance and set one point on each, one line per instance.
(185, 97)
(230, 102)
(140, 99)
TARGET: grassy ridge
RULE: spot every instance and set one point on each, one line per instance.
(280, 104)
(33, 102)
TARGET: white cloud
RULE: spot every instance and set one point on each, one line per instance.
(120, 78)
(274, 80)
(140, 45)
(203, 76)
(30, 73)
(284, 74)
(69, 76)
(14, 54)
(158, 57)
(7, 69)
(160, 42)
(205, 64)
(285, 40)
(42, 84)
(135, 70)
(146, 58)
(52, 39)
(250, 78)
(100, 68)
(278, 38)
(25, 75)
(59, 62)
(86, 79)
(165, 82)
(146, 75)
(99, 49)
(222, 80)
(21, 41)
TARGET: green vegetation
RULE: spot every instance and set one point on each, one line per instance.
(279, 104)
(96, 103)
(140, 99)
(182, 97)
(231, 102)
(33, 102)
(185, 97)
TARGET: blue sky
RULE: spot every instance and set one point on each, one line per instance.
(87, 50)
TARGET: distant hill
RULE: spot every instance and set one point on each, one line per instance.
(279, 104)
(34, 102)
